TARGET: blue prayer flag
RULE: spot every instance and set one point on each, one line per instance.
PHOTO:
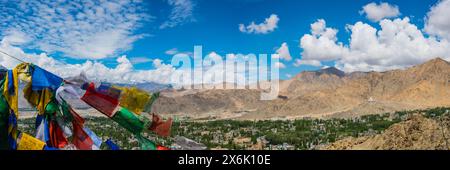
(42, 79)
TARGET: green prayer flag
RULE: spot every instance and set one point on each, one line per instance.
(129, 121)
(4, 114)
(145, 143)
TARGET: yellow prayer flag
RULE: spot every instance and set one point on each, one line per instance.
(28, 142)
(133, 99)
(38, 99)
(19, 72)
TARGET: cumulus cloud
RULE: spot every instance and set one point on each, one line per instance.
(437, 20)
(322, 43)
(269, 25)
(283, 52)
(398, 44)
(78, 29)
(124, 72)
(182, 12)
(376, 12)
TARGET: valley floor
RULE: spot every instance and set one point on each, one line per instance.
(299, 134)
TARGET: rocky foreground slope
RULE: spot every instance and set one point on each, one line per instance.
(417, 133)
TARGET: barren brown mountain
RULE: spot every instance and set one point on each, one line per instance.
(325, 93)
(417, 133)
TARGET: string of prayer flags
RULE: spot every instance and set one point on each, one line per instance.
(104, 103)
(161, 127)
(44, 91)
(27, 142)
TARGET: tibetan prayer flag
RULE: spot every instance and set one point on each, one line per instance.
(80, 138)
(101, 102)
(161, 127)
(129, 121)
(76, 117)
(42, 79)
(42, 130)
(70, 114)
(66, 90)
(11, 86)
(48, 148)
(13, 133)
(162, 148)
(97, 141)
(145, 143)
(4, 114)
(107, 89)
(27, 142)
(112, 145)
(134, 99)
(39, 99)
(57, 139)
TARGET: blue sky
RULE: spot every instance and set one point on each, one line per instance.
(158, 26)
(216, 26)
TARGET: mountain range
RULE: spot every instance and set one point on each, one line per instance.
(328, 92)
(324, 93)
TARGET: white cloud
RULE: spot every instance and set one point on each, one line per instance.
(398, 44)
(321, 43)
(124, 72)
(157, 63)
(269, 25)
(15, 37)
(437, 20)
(298, 63)
(376, 12)
(283, 52)
(78, 29)
(182, 12)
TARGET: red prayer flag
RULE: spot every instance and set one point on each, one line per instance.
(162, 148)
(102, 102)
(80, 138)
(76, 117)
(161, 127)
(57, 139)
